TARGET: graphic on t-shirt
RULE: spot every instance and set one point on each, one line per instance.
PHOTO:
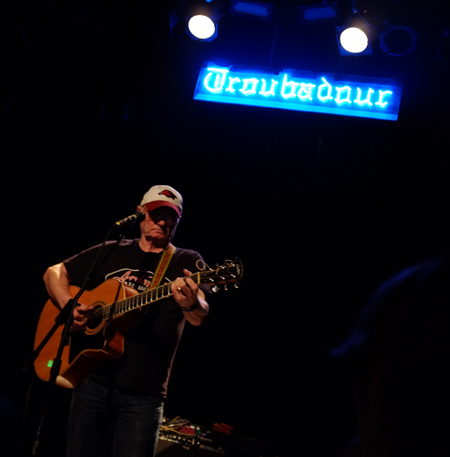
(137, 279)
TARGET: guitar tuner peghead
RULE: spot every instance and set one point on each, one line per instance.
(236, 285)
(225, 287)
(215, 289)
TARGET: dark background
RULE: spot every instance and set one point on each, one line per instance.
(97, 107)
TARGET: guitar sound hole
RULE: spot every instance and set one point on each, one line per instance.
(96, 318)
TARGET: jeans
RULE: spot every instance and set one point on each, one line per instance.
(108, 422)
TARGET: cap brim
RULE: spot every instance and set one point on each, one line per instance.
(157, 204)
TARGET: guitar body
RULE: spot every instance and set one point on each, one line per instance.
(117, 308)
(83, 352)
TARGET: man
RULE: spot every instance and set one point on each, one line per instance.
(119, 408)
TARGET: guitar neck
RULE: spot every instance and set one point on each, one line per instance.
(145, 298)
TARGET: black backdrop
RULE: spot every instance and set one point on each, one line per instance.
(321, 209)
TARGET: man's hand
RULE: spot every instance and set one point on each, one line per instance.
(190, 297)
(185, 291)
(80, 314)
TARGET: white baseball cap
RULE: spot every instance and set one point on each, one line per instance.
(158, 196)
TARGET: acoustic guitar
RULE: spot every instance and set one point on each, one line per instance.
(116, 308)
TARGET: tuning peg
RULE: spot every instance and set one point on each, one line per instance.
(236, 285)
(215, 289)
(225, 286)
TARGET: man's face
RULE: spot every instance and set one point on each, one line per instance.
(160, 223)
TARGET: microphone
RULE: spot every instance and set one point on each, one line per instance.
(129, 221)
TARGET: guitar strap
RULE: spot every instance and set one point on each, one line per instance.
(161, 269)
(162, 266)
(157, 278)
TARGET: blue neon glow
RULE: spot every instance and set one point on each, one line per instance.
(271, 91)
(300, 90)
(339, 97)
(326, 86)
(250, 85)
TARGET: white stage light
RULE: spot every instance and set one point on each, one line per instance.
(202, 27)
(354, 40)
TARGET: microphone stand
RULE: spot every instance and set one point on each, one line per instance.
(65, 317)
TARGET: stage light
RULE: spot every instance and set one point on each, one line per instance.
(202, 27)
(202, 21)
(397, 40)
(313, 14)
(251, 9)
(354, 40)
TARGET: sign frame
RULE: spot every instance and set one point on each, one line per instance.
(320, 92)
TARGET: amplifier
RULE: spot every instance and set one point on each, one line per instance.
(179, 438)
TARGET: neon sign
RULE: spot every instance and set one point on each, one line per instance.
(300, 90)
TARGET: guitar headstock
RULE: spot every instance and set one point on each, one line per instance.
(230, 272)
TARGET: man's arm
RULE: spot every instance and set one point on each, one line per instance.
(190, 297)
(57, 283)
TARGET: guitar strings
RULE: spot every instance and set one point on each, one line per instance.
(104, 311)
(129, 303)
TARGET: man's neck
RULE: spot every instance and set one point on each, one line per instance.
(150, 245)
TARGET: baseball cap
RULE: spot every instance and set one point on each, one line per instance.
(158, 196)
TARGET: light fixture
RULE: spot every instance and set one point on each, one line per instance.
(323, 12)
(354, 39)
(252, 9)
(202, 20)
(398, 40)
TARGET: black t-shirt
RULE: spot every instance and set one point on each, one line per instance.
(150, 346)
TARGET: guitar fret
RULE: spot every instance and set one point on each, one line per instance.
(141, 299)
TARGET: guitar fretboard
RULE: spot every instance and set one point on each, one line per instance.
(142, 299)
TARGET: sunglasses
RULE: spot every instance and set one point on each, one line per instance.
(166, 215)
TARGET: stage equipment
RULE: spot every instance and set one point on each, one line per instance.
(179, 437)
(300, 90)
(323, 12)
(251, 9)
(354, 37)
(202, 20)
(398, 40)
(353, 40)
